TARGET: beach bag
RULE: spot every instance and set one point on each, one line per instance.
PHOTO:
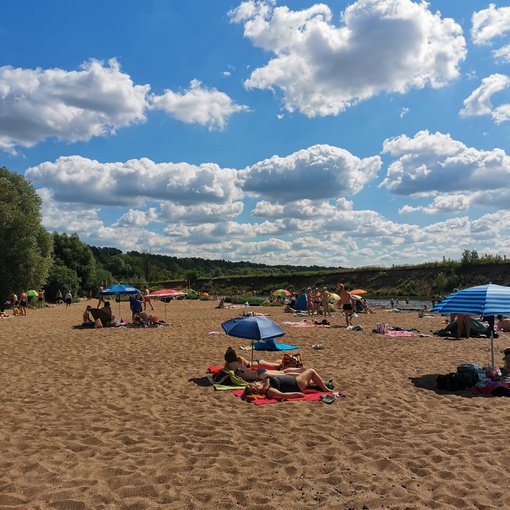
(382, 328)
(292, 361)
(450, 382)
(469, 373)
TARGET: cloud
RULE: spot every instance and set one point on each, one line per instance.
(198, 105)
(503, 54)
(479, 101)
(489, 24)
(319, 172)
(434, 164)
(135, 182)
(382, 46)
(447, 203)
(69, 105)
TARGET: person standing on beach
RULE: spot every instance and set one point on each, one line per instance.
(23, 300)
(100, 298)
(58, 297)
(68, 299)
(325, 302)
(346, 298)
(40, 298)
(147, 299)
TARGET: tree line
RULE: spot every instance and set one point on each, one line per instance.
(32, 258)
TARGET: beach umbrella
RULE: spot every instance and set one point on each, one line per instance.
(358, 292)
(333, 295)
(257, 327)
(119, 288)
(281, 293)
(489, 299)
(165, 295)
(32, 293)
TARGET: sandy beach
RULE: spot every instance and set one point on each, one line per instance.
(120, 418)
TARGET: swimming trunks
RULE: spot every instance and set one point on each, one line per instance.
(347, 307)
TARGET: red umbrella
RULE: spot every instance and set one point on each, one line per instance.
(358, 292)
(165, 295)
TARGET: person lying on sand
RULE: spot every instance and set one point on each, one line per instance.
(503, 324)
(287, 386)
(241, 367)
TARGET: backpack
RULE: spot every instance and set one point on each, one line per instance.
(228, 378)
(450, 382)
(470, 374)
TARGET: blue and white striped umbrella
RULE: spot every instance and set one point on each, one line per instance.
(489, 299)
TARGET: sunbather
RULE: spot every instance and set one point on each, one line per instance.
(88, 321)
(264, 369)
(287, 385)
(503, 324)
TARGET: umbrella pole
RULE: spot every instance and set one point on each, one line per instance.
(492, 350)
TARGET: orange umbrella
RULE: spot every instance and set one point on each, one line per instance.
(359, 292)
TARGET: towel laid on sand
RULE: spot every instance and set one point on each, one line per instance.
(401, 333)
(224, 387)
(271, 345)
(309, 394)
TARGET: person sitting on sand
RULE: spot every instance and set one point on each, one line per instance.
(221, 304)
(503, 324)
(145, 318)
(242, 367)
(88, 321)
(287, 386)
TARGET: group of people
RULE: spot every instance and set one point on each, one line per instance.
(271, 380)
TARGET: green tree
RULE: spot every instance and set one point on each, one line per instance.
(26, 247)
(64, 279)
(70, 252)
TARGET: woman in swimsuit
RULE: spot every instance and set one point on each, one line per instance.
(287, 385)
(243, 368)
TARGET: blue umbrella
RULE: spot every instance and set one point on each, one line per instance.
(253, 328)
(485, 300)
(119, 288)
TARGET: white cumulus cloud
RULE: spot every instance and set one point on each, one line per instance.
(36, 104)
(199, 105)
(381, 46)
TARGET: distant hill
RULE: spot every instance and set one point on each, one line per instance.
(412, 281)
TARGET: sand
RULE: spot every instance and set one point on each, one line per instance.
(120, 419)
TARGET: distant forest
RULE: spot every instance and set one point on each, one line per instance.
(84, 268)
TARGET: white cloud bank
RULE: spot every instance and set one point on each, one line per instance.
(381, 46)
(95, 101)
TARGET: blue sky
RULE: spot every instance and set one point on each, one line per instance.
(348, 134)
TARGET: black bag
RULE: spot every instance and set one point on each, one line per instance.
(450, 382)
(468, 373)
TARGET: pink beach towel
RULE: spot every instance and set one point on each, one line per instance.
(308, 395)
(401, 333)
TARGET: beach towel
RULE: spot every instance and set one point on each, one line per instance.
(271, 345)
(401, 333)
(309, 394)
(223, 387)
(310, 325)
